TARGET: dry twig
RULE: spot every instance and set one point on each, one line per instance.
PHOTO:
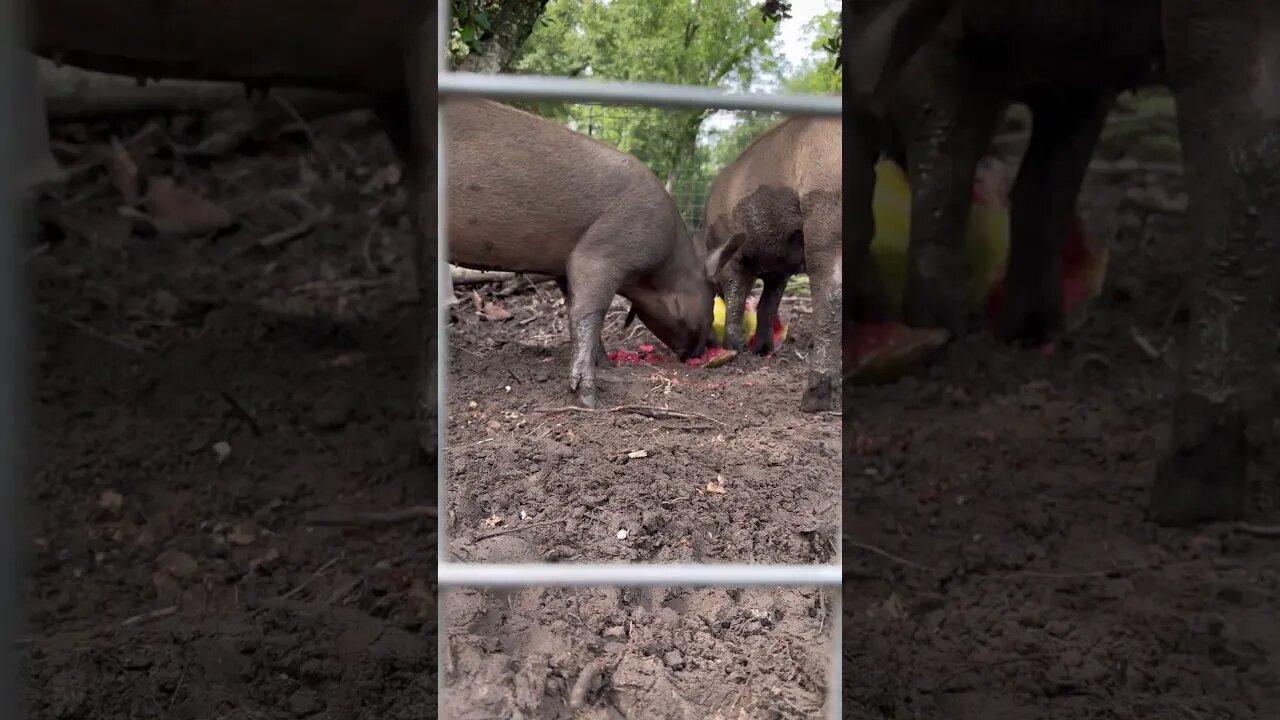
(518, 528)
(888, 555)
(153, 615)
(303, 585)
(1263, 531)
(656, 413)
(373, 519)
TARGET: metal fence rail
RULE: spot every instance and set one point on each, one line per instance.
(538, 88)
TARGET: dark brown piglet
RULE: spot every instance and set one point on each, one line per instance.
(779, 204)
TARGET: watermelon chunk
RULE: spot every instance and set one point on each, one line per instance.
(712, 358)
(881, 353)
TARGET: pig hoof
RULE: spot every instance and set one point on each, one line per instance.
(763, 348)
(1032, 327)
(587, 396)
(817, 396)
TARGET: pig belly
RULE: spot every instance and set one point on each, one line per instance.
(491, 247)
(281, 42)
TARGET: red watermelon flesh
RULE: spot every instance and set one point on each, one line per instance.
(1075, 268)
(779, 332)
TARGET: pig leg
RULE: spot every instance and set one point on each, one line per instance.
(946, 137)
(1223, 454)
(766, 310)
(593, 281)
(870, 301)
(415, 134)
(1043, 201)
(736, 282)
(823, 257)
(602, 356)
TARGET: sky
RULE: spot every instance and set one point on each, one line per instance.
(792, 43)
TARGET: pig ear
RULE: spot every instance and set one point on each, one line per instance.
(717, 258)
(879, 49)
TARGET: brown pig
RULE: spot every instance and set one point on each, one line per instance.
(529, 195)
(779, 205)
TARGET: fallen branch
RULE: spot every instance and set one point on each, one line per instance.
(656, 413)
(1263, 531)
(73, 94)
(373, 519)
(462, 277)
(153, 615)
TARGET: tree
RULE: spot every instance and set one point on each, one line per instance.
(815, 75)
(832, 38)
(488, 35)
(714, 43)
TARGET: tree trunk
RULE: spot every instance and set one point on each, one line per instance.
(512, 25)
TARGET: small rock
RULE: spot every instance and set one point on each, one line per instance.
(616, 631)
(223, 450)
(166, 303)
(241, 535)
(622, 534)
(177, 563)
(651, 520)
(111, 501)
(673, 659)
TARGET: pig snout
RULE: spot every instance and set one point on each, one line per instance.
(686, 340)
(698, 349)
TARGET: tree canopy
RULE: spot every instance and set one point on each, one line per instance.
(729, 44)
(709, 43)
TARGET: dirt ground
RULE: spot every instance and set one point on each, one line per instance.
(201, 407)
(744, 477)
(998, 564)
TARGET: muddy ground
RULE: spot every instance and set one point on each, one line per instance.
(742, 476)
(998, 564)
(200, 406)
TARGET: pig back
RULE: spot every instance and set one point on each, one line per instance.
(355, 45)
(796, 158)
(524, 190)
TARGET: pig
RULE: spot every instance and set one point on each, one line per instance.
(533, 196)
(1220, 460)
(1067, 62)
(776, 210)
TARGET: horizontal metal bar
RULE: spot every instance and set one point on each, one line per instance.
(635, 575)
(540, 87)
